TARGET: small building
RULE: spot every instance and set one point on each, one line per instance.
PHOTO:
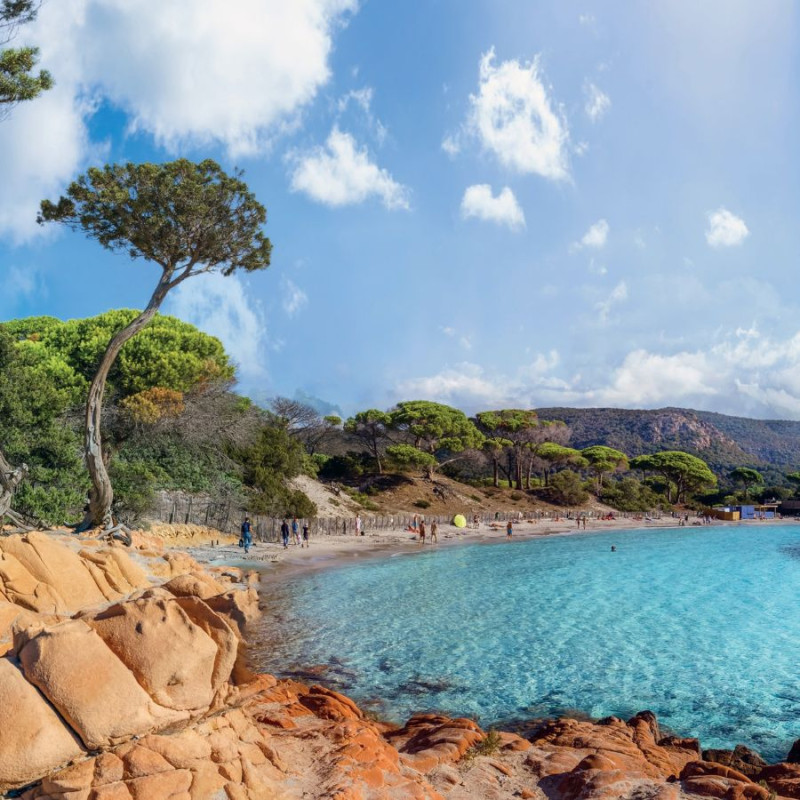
(748, 512)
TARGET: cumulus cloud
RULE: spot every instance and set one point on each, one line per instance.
(192, 74)
(513, 118)
(744, 372)
(597, 102)
(595, 238)
(340, 174)
(478, 201)
(223, 307)
(725, 229)
(294, 298)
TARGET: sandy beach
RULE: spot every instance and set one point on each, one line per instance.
(325, 552)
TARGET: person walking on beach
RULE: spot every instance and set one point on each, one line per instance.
(358, 524)
(509, 529)
(434, 531)
(305, 534)
(285, 534)
(422, 531)
(295, 531)
(247, 536)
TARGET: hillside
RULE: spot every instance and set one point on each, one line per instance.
(723, 441)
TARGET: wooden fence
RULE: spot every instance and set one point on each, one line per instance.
(226, 517)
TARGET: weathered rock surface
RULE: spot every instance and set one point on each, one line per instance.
(122, 678)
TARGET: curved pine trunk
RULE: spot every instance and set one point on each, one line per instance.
(101, 495)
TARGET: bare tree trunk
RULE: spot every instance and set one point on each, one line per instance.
(101, 495)
(10, 478)
(495, 473)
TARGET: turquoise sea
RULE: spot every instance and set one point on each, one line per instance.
(699, 625)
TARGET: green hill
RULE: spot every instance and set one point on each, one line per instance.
(724, 442)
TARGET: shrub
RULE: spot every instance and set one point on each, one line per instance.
(422, 504)
(515, 496)
(566, 489)
(487, 746)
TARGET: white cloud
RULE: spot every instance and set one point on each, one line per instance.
(294, 298)
(586, 19)
(619, 294)
(223, 307)
(597, 102)
(513, 118)
(451, 145)
(744, 372)
(464, 385)
(595, 238)
(189, 74)
(478, 201)
(195, 72)
(725, 229)
(340, 174)
(361, 97)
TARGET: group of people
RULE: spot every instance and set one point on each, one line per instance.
(418, 526)
(295, 531)
(246, 538)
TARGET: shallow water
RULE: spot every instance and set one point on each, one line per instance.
(699, 625)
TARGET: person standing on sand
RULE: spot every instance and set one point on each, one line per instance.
(247, 536)
(434, 531)
(422, 531)
(295, 531)
(358, 524)
(415, 522)
(305, 534)
(509, 529)
(285, 534)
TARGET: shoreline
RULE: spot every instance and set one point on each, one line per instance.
(272, 561)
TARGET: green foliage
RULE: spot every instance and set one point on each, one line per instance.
(566, 489)
(275, 499)
(274, 453)
(434, 426)
(421, 504)
(350, 466)
(629, 494)
(686, 472)
(405, 456)
(602, 460)
(747, 477)
(168, 353)
(372, 428)
(135, 484)
(360, 498)
(179, 214)
(487, 746)
(17, 79)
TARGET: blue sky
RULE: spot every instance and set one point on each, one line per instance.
(488, 204)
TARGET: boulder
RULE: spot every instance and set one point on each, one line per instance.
(53, 564)
(33, 740)
(741, 758)
(89, 686)
(178, 676)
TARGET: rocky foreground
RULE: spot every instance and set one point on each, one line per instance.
(123, 677)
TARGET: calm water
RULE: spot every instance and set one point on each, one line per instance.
(702, 626)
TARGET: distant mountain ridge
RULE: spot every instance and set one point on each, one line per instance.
(723, 441)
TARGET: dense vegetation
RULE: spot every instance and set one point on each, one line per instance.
(172, 422)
